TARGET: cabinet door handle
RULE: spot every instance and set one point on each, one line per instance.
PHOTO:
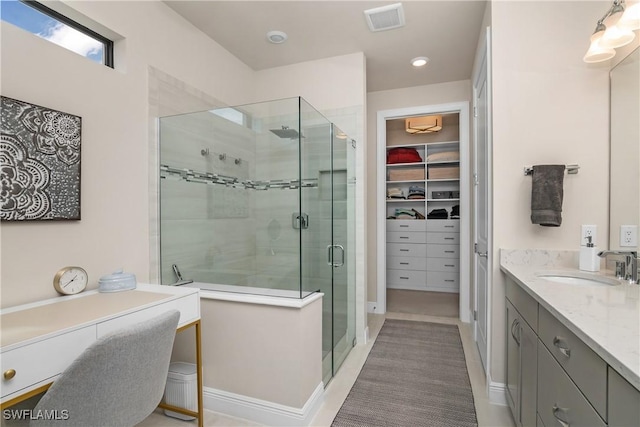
(448, 226)
(404, 263)
(404, 237)
(404, 250)
(449, 238)
(557, 409)
(449, 265)
(405, 278)
(449, 252)
(557, 341)
(514, 327)
(404, 226)
(9, 374)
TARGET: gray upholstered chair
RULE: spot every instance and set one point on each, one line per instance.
(117, 381)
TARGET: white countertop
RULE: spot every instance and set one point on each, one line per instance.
(606, 318)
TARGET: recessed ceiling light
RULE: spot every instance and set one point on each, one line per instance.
(277, 37)
(420, 61)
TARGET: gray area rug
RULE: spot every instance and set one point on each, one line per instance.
(415, 375)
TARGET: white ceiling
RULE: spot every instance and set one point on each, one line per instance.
(445, 31)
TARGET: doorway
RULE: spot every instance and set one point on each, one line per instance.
(463, 214)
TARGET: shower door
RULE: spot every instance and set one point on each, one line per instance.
(327, 240)
(342, 253)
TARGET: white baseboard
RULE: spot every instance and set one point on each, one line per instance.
(262, 411)
(497, 393)
(372, 307)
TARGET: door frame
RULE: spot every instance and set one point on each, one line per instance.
(483, 63)
(462, 108)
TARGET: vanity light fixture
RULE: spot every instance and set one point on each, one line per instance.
(419, 61)
(614, 29)
(277, 37)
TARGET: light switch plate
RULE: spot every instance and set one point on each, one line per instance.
(628, 235)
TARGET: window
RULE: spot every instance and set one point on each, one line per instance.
(57, 28)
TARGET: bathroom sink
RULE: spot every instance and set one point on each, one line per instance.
(576, 278)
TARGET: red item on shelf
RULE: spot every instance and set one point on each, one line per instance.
(403, 155)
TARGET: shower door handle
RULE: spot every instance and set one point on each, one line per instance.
(330, 256)
(341, 256)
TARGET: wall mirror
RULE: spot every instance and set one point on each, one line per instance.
(624, 203)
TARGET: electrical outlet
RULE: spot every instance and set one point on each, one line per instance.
(588, 230)
(628, 235)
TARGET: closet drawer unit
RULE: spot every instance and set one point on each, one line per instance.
(406, 249)
(407, 263)
(407, 277)
(583, 365)
(451, 265)
(406, 237)
(443, 251)
(559, 400)
(443, 225)
(406, 225)
(443, 238)
(442, 279)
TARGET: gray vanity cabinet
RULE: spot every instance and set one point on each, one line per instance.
(624, 402)
(553, 378)
(560, 402)
(521, 358)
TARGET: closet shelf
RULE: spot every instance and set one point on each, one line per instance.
(409, 181)
(392, 165)
(405, 200)
(443, 200)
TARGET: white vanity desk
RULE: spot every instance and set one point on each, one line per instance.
(39, 340)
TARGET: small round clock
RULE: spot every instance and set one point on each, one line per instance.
(70, 280)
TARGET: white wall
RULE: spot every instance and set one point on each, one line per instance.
(113, 105)
(385, 100)
(548, 107)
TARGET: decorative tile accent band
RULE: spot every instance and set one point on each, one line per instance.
(168, 172)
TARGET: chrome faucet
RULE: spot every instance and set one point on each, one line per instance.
(630, 263)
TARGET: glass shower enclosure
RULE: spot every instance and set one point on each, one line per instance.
(259, 199)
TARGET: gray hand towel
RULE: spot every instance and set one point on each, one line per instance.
(546, 195)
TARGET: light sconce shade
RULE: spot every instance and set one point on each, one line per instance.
(616, 37)
(614, 29)
(597, 53)
(423, 124)
(630, 19)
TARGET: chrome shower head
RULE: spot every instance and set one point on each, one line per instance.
(285, 132)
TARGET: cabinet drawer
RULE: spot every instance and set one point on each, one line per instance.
(524, 303)
(406, 237)
(406, 225)
(558, 396)
(443, 251)
(407, 277)
(407, 263)
(624, 402)
(188, 306)
(452, 225)
(43, 360)
(440, 279)
(451, 265)
(583, 365)
(443, 238)
(406, 249)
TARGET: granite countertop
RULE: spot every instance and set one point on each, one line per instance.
(606, 318)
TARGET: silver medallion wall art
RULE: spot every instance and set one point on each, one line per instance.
(39, 163)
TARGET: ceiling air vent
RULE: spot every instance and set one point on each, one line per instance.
(385, 17)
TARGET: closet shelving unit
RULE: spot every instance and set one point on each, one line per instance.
(423, 254)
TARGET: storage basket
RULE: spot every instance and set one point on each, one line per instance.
(444, 172)
(408, 174)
